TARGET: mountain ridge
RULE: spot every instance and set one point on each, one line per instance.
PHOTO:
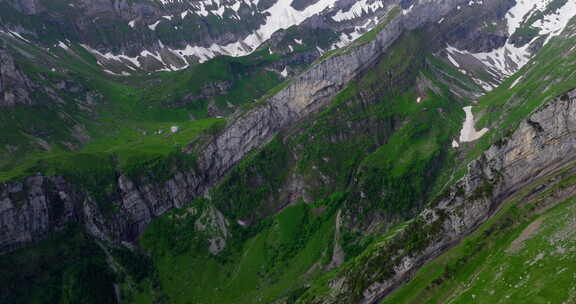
(295, 174)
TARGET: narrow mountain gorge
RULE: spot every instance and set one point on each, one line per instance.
(328, 151)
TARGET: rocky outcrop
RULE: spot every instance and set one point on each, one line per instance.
(15, 87)
(542, 144)
(38, 205)
(214, 224)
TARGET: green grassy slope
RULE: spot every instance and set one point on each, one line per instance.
(501, 111)
(131, 117)
(548, 75)
(348, 148)
(375, 154)
(288, 250)
(525, 254)
(66, 268)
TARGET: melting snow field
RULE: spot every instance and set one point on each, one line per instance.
(468, 132)
(358, 9)
(507, 60)
(281, 15)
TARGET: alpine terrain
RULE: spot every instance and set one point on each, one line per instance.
(287, 151)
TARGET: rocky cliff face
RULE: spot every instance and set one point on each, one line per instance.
(542, 144)
(38, 205)
(30, 215)
(15, 87)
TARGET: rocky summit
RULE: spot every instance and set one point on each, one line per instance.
(287, 151)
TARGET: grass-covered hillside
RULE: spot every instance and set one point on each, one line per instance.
(316, 215)
(336, 171)
(482, 267)
(79, 110)
(548, 75)
(525, 253)
(298, 207)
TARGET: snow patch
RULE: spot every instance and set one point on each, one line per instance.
(485, 85)
(501, 62)
(63, 45)
(279, 16)
(346, 39)
(153, 26)
(508, 59)
(516, 81)
(359, 9)
(553, 24)
(109, 56)
(408, 10)
(452, 60)
(468, 132)
(112, 73)
(17, 35)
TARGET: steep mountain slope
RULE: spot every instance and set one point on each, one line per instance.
(539, 147)
(78, 107)
(54, 59)
(511, 257)
(310, 171)
(250, 129)
(333, 178)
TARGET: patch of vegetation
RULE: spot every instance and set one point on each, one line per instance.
(255, 180)
(273, 261)
(128, 123)
(68, 267)
(509, 259)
